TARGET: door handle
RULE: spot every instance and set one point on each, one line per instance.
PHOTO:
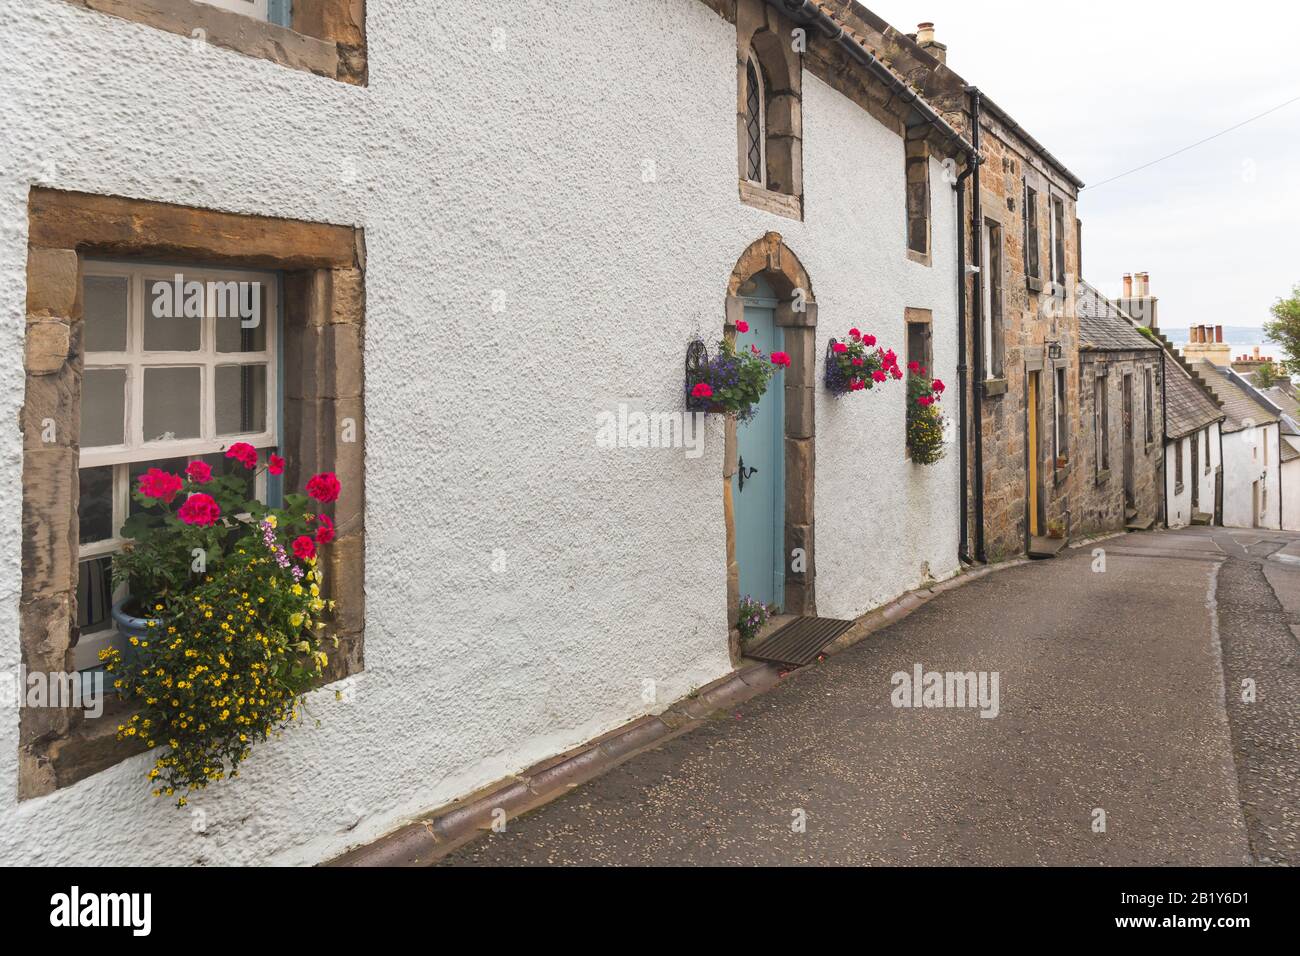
(744, 472)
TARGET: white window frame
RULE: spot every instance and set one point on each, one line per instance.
(753, 61)
(135, 449)
(257, 9)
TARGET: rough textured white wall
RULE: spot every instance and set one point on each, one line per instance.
(522, 275)
(1244, 464)
(1180, 504)
(1290, 479)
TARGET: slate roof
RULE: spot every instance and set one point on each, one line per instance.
(1105, 327)
(1290, 408)
(1238, 404)
(1187, 408)
(1289, 450)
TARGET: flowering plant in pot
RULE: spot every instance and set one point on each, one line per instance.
(751, 617)
(733, 379)
(227, 613)
(858, 364)
(924, 420)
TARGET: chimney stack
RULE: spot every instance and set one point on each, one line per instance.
(1205, 343)
(926, 41)
(1137, 299)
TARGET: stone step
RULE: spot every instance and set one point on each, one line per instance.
(1139, 524)
(1040, 548)
(1201, 517)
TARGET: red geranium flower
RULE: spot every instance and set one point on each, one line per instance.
(839, 348)
(199, 472)
(303, 548)
(742, 325)
(244, 453)
(894, 372)
(702, 390)
(781, 359)
(275, 464)
(925, 400)
(914, 367)
(857, 361)
(855, 334)
(937, 385)
(868, 340)
(200, 509)
(879, 375)
(325, 530)
(324, 487)
(161, 485)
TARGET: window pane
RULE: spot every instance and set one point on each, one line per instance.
(171, 403)
(95, 505)
(241, 399)
(95, 594)
(173, 331)
(105, 313)
(103, 407)
(231, 305)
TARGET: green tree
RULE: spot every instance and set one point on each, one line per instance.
(1285, 329)
(1266, 376)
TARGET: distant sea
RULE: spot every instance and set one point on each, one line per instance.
(1242, 338)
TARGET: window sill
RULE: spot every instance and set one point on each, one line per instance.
(779, 204)
(324, 56)
(921, 258)
(1034, 284)
(994, 386)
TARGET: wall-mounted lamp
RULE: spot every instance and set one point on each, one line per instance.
(1054, 351)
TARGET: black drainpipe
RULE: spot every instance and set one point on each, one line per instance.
(977, 324)
(963, 369)
(1164, 440)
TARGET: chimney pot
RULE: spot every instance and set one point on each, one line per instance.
(926, 41)
(1128, 285)
(1218, 333)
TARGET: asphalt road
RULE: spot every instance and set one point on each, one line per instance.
(1111, 700)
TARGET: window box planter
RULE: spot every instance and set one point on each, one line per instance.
(925, 423)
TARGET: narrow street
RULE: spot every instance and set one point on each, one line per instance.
(1111, 698)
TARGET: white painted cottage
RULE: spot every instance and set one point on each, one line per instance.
(480, 230)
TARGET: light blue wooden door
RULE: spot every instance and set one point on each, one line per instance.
(758, 487)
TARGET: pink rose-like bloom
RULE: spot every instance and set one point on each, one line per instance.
(879, 375)
(895, 373)
(868, 340)
(742, 325)
(839, 348)
(325, 530)
(702, 390)
(889, 358)
(200, 509)
(303, 548)
(925, 400)
(160, 485)
(855, 334)
(199, 472)
(914, 367)
(937, 385)
(275, 464)
(781, 359)
(244, 453)
(324, 487)
(857, 361)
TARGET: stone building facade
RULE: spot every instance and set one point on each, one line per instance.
(1021, 367)
(1119, 478)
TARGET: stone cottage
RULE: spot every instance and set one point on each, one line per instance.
(1020, 373)
(476, 240)
(1122, 482)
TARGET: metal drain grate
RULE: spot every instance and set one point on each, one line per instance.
(799, 642)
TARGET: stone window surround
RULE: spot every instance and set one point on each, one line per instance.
(775, 262)
(324, 312)
(917, 176)
(328, 37)
(761, 33)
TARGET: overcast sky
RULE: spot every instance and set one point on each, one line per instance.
(1109, 86)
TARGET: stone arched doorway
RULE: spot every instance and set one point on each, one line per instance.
(770, 267)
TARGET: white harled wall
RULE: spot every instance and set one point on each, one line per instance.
(524, 272)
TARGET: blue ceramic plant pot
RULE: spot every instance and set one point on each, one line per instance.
(129, 626)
